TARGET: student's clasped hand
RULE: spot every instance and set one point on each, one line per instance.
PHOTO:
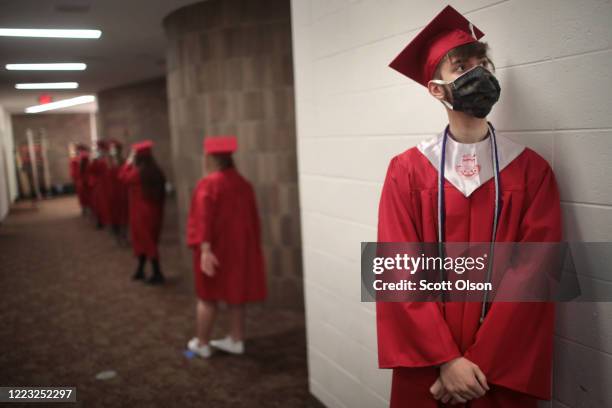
(460, 381)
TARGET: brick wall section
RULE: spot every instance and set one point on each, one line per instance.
(354, 113)
(138, 111)
(230, 72)
(60, 129)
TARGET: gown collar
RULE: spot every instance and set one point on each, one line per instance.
(469, 165)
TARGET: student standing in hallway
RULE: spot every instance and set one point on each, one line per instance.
(73, 164)
(83, 188)
(465, 185)
(146, 196)
(101, 185)
(223, 230)
(119, 192)
(79, 158)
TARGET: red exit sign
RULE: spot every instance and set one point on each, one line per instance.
(44, 98)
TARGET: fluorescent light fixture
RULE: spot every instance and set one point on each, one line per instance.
(49, 85)
(79, 100)
(49, 33)
(61, 66)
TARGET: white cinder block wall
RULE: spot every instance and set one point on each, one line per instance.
(354, 113)
(8, 181)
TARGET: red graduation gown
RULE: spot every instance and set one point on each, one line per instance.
(83, 186)
(513, 346)
(145, 215)
(119, 198)
(101, 189)
(75, 175)
(224, 213)
(74, 169)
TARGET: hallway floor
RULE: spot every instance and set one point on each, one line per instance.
(69, 311)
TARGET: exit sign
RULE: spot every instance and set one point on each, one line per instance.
(44, 98)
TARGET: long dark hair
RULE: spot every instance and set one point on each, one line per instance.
(83, 163)
(223, 160)
(151, 176)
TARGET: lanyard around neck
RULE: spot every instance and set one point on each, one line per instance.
(498, 204)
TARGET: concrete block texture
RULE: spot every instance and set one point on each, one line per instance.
(135, 112)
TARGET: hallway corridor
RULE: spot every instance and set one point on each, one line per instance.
(69, 310)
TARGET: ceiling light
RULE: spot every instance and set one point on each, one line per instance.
(64, 66)
(49, 33)
(79, 100)
(49, 85)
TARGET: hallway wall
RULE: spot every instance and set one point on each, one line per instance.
(60, 130)
(8, 181)
(354, 114)
(230, 72)
(138, 111)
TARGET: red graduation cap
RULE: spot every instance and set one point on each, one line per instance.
(220, 144)
(448, 30)
(143, 147)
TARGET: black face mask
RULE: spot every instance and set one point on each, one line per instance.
(474, 92)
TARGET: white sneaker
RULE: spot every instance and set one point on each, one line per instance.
(203, 351)
(228, 345)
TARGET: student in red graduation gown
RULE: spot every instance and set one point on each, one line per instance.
(119, 191)
(223, 230)
(75, 152)
(101, 185)
(82, 179)
(83, 188)
(146, 195)
(440, 353)
(73, 164)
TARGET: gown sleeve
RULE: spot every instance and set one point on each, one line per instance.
(128, 174)
(410, 334)
(201, 211)
(514, 345)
